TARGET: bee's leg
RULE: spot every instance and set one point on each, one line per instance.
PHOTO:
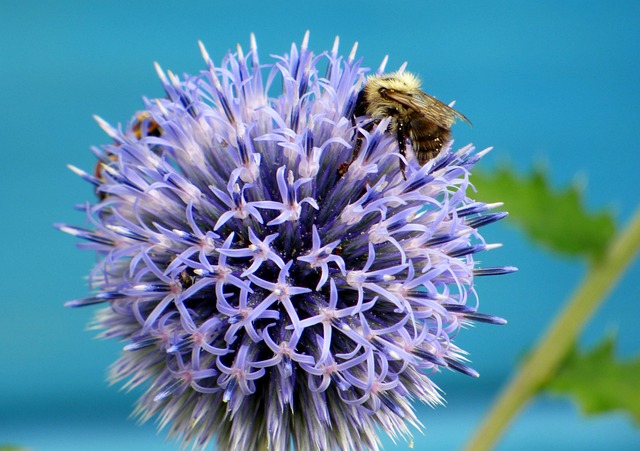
(358, 137)
(402, 147)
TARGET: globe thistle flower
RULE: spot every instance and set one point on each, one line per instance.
(266, 298)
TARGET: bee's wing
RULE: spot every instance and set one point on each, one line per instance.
(431, 108)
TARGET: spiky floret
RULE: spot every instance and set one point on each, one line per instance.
(265, 299)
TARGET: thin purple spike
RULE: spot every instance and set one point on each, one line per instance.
(461, 367)
(496, 271)
(483, 220)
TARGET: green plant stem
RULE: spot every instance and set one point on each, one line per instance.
(556, 343)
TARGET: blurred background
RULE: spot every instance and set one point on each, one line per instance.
(551, 83)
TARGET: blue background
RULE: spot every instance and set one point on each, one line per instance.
(543, 82)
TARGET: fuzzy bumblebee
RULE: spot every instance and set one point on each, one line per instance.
(416, 117)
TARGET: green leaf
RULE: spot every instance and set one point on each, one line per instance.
(556, 219)
(600, 383)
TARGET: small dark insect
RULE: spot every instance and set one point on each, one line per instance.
(416, 117)
(187, 278)
(142, 126)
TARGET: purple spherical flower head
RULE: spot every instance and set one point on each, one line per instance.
(267, 298)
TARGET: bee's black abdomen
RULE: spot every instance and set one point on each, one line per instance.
(361, 105)
(427, 138)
